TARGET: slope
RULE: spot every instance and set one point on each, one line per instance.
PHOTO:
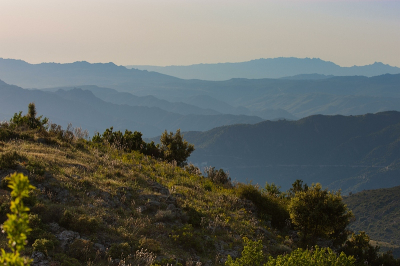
(377, 212)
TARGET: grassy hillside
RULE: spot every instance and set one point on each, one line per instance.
(95, 204)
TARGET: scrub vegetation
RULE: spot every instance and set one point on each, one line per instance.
(116, 200)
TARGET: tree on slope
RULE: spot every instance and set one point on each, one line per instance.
(175, 148)
(318, 213)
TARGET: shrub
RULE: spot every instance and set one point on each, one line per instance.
(188, 237)
(192, 169)
(149, 244)
(35, 168)
(194, 216)
(29, 119)
(268, 207)
(252, 254)
(358, 245)
(17, 226)
(81, 250)
(80, 223)
(317, 257)
(9, 160)
(65, 260)
(217, 176)
(175, 148)
(320, 213)
(43, 245)
(66, 219)
(119, 251)
(39, 230)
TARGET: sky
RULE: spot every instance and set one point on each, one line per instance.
(184, 32)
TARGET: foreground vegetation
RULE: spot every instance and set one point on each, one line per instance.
(116, 200)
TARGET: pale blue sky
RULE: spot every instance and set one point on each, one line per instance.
(183, 32)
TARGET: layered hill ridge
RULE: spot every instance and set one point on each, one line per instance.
(82, 108)
(287, 98)
(269, 68)
(350, 153)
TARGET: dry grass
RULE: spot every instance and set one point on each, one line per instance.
(116, 190)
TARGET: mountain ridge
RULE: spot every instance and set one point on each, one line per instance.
(269, 68)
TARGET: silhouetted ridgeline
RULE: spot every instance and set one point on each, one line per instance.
(269, 68)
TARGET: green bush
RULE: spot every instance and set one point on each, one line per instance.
(188, 237)
(175, 148)
(252, 254)
(269, 207)
(17, 226)
(119, 251)
(217, 176)
(9, 160)
(81, 250)
(65, 260)
(194, 216)
(67, 219)
(35, 168)
(6, 133)
(80, 223)
(38, 230)
(43, 245)
(318, 213)
(30, 120)
(317, 257)
(151, 245)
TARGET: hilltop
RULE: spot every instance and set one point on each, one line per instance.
(95, 203)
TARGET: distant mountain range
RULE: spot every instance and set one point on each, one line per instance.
(196, 105)
(82, 108)
(351, 153)
(269, 68)
(289, 98)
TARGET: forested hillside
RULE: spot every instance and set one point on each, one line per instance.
(351, 153)
(377, 212)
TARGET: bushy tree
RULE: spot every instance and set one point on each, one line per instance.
(358, 246)
(272, 190)
(317, 257)
(217, 176)
(297, 186)
(175, 148)
(252, 254)
(318, 213)
(29, 119)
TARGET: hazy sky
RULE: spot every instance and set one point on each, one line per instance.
(183, 32)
